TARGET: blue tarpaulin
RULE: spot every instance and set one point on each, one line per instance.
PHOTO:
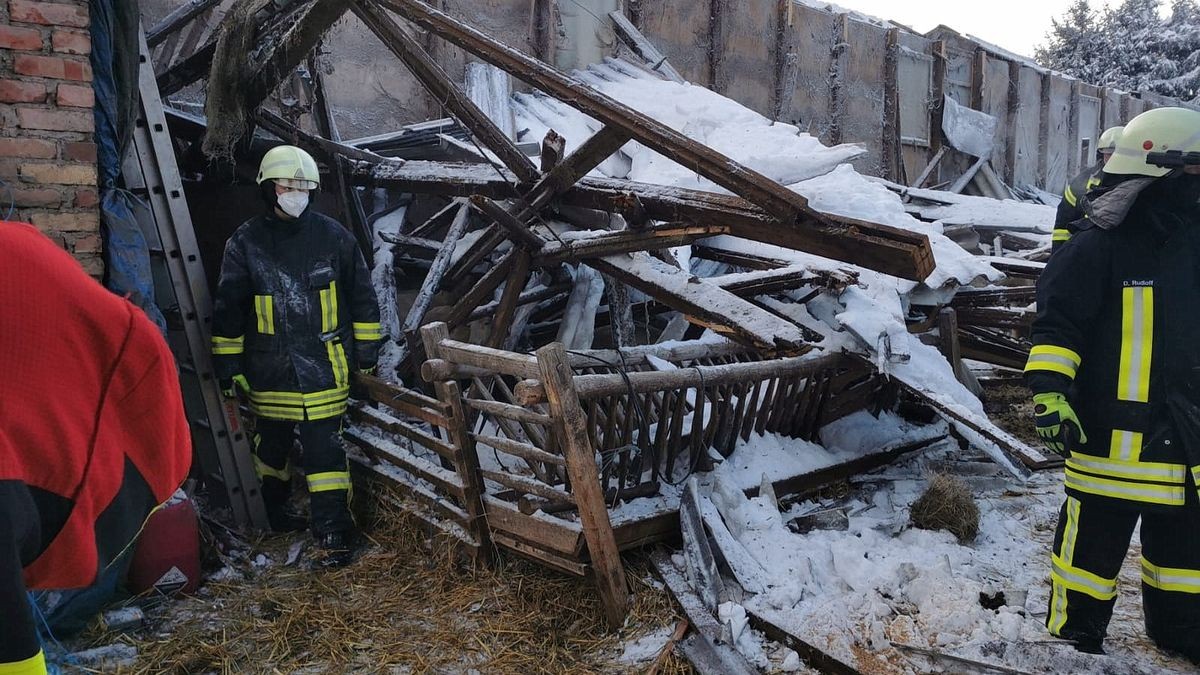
(115, 25)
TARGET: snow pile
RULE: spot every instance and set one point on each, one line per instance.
(779, 151)
(858, 592)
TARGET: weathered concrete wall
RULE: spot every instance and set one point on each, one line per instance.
(743, 48)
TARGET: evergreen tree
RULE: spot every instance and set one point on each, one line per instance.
(1075, 44)
(1129, 46)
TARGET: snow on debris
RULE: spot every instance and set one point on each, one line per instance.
(780, 151)
(856, 592)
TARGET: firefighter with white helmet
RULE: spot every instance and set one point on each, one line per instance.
(1070, 209)
(1115, 373)
(294, 313)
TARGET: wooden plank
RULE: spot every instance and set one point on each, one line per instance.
(528, 486)
(518, 232)
(930, 167)
(512, 412)
(716, 655)
(466, 456)
(519, 449)
(438, 84)
(542, 532)
(420, 468)
(597, 148)
(481, 289)
(503, 322)
(386, 422)
(538, 555)
(394, 398)
(627, 241)
(433, 279)
(427, 499)
(572, 438)
(631, 36)
(311, 24)
(704, 303)
(701, 564)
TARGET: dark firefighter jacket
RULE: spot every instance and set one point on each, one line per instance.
(1121, 342)
(1070, 209)
(294, 305)
(93, 434)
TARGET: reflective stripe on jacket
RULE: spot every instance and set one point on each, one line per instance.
(295, 311)
(1115, 318)
(1070, 209)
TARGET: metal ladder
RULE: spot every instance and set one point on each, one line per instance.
(220, 441)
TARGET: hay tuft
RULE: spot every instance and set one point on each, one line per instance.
(228, 77)
(947, 505)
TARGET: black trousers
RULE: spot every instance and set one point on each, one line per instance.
(1089, 547)
(325, 469)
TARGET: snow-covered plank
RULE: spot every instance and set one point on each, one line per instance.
(705, 303)
(701, 565)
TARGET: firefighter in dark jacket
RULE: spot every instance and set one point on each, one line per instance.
(294, 313)
(1115, 371)
(1070, 209)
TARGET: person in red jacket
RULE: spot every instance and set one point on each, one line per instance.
(92, 430)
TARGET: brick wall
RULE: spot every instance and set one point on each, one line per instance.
(47, 154)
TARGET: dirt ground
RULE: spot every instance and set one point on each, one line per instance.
(405, 606)
(1010, 406)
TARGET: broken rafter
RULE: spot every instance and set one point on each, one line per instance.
(323, 147)
(293, 48)
(177, 20)
(628, 241)
(704, 303)
(445, 91)
(899, 252)
(854, 241)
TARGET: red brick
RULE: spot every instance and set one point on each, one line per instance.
(28, 39)
(76, 96)
(59, 174)
(71, 42)
(88, 243)
(56, 120)
(86, 199)
(54, 67)
(16, 91)
(28, 147)
(48, 13)
(80, 152)
(93, 264)
(36, 197)
(51, 221)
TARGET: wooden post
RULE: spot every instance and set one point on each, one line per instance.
(466, 459)
(837, 102)
(1044, 133)
(1014, 112)
(718, 73)
(948, 344)
(571, 430)
(939, 97)
(893, 164)
(1073, 166)
(786, 66)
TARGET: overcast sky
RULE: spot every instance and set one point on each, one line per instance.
(1016, 25)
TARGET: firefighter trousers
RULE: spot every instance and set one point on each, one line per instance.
(1090, 545)
(326, 471)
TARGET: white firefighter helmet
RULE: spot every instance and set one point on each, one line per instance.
(290, 167)
(1160, 132)
(1109, 139)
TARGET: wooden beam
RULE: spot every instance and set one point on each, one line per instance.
(312, 24)
(572, 439)
(322, 147)
(631, 36)
(597, 148)
(518, 232)
(930, 167)
(480, 290)
(705, 304)
(891, 250)
(439, 85)
(433, 279)
(177, 19)
(840, 47)
(628, 241)
(502, 322)
(655, 135)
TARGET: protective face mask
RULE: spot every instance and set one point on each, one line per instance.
(293, 203)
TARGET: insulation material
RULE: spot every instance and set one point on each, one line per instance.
(968, 130)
